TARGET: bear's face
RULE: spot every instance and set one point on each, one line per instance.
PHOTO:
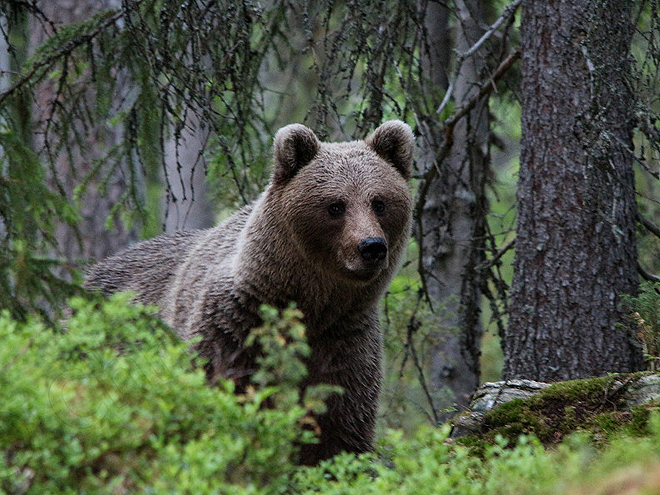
(347, 205)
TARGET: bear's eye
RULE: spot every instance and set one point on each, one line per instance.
(336, 209)
(378, 206)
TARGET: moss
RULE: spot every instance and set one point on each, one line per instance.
(593, 405)
(580, 390)
(638, 424)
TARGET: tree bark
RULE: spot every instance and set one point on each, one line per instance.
(575, 245)
(453, 224)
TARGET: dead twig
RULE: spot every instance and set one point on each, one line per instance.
(508, 12)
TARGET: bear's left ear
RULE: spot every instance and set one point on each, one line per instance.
(294, 147)
(394, 142)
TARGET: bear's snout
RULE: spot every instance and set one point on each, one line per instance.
(373, 250)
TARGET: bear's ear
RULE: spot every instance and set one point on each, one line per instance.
(394, 142)
(294, 147)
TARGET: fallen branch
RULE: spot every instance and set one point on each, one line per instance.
(649, 225)
(646, 275)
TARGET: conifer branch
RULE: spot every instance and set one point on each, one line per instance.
(63, 51)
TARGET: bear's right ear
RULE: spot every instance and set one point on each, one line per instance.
(294, 147)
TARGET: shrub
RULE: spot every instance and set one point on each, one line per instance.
(112, 404)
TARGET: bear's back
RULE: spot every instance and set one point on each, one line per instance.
(151, 268)
(145, 269)
(209, 264)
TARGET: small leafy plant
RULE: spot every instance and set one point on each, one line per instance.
(112, 403)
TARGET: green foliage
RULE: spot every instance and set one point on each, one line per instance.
(28, 214)
(111, 403)
(284, 348)
(282, 339)
(645, 309)
(431, 463)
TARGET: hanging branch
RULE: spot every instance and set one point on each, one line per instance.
(509, 11)
(448, 126)
(63, 51)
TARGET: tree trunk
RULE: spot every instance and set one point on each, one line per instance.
(187, 205)
(453, 225)
(93, 240)
(575, 244)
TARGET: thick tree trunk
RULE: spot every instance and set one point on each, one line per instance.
(575, 244)
(453, 226)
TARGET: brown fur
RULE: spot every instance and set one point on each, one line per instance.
(293, 244)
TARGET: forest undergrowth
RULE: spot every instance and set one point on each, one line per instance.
(110, 401)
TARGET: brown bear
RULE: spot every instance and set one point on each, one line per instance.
(327, 234)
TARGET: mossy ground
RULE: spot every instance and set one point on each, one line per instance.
(595, 406)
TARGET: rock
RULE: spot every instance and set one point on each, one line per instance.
(644, 391)
(488, 396)
(493, 394)
(620, 392)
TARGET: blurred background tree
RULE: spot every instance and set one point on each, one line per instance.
(124, 118)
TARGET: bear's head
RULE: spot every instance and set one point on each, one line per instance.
(347, 206)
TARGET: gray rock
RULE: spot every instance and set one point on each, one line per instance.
(644, 391)
(488, 396)
(492, 394)
(636, 390)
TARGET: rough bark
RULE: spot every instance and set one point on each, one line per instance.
(575, 245)
(453, 222)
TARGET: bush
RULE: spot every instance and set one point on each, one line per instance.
(111, 403)
(432, 464)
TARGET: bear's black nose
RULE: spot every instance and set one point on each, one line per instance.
(373, 249)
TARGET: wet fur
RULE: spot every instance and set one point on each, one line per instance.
(286, 247)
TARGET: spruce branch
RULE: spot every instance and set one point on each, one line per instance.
(62, 51)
